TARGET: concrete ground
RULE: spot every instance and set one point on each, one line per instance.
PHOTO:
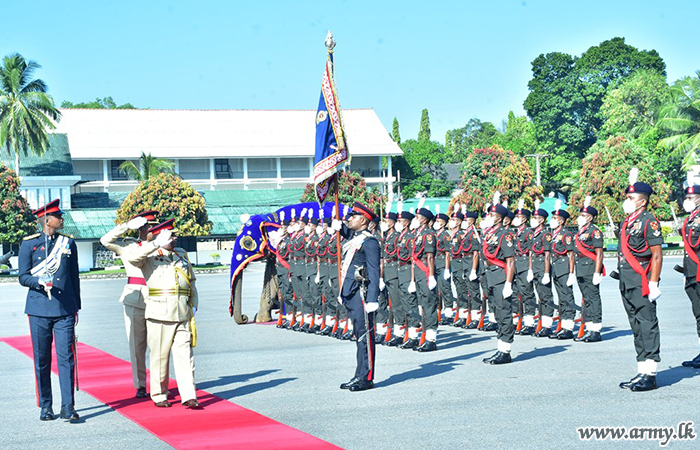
(447, 399)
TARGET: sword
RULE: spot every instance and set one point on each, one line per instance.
(363, 288)
(75, 358)
(610, 219)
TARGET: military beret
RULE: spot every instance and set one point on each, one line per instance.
(425, 212)
(511, 215)
(561, 213)
(500, 210)
(443, 217)
(472, 215)
(540, 212)
(694, 189)
(590, 210)
(314, 220)
(639, 188)
(523, 212)
(457, 215)
(406, 215)
(391, 216)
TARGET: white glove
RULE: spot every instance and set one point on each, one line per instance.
(136, 223)
(447, 275)
(530, 276)
(571, 279)
(454, 289)
(597, 278)
(432, 283)
(546, 279)
(340, 300)
(472, 275)
(507, 289)
(337, 225)
(654, 292)
(371, 306)
(318, 278)
(163, 238)
(411, 287)
(382, 285)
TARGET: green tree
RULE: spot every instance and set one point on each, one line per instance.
(352, 188)
(604, 176)
(395, 135)
(172, 198)
(422, 168)
(460, 142)
(681, 119)
(16, 218)
(519, 136)
(148, 166)
(424, 132)
(26, 109)
(99, 103)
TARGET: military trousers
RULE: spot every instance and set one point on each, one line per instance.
(284, 284)
(592, 307)
(393, 291)
(165, 338)
(135, 321)
(503, 310)
(644, 323)
(565, 298)
(526, 291)
(365, 334)
(692, 288)
(298, 275)
(409, 299)
(329, 287)
(444, 288)
(427, 299)
(546, 297)
(43, 330)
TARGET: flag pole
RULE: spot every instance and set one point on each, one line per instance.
(337, 234)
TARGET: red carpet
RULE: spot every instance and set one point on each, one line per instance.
(220, 425)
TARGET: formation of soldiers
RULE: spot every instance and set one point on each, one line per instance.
(494, 271)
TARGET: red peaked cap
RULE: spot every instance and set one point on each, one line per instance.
(167, 225)
(51, 207)
(359, 208)
(150, 216)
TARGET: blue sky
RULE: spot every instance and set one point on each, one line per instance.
(459, 59)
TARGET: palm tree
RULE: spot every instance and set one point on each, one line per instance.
(148, 166)
(681, 118)
(26, 110)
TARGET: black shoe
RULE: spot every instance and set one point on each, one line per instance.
(446, 321)
(491, 326)
(349, 383)
(305, 328)
(163, 404)
(394, 342)
(325, 331)
(461, 323)
(315, 329)
(594, 337)
(692, 363)
(498, 358)
(192, 404)
(347, 336)
(544, 332)
(68, 413)
(428, 346)
(46, 414)
(565, 334)
(645, 383)
(527, 331)
(141, 393)
(628, 384)
(378, 339)
(361, 385)
(295, 327)
(409, 344)
(472, 325)
(284, 324)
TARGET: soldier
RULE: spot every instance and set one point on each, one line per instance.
(541, 247)
(471, 249)
(360, 269)
(382, 314)
(524, 274)
(325, 268)
(563, 269)
(487, 302)
(453, 265)
(639, 267)
(498, 250)
(589, 271)
(48, 266)
(390, 272)
(170, 309)
(284, 279)
(691, 261)
(442, 272)
(299, 282)
(424, 282)
(135, 292)
(312, 302)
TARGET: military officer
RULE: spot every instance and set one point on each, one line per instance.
(284, 280)
(312, 301)
(390, 265)
(299, 282)
(382, 314)
(487, 302)
(498, 250)
(690, 231)
(442, 271)
(359, 291)
(589, 271)
(48, 266)
(471, 249)
(639, 268)
(541, 267)
(134, 293)
(170, 309)
(524, 274)
(562, 254)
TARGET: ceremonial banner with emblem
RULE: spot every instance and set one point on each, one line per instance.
(331, 148)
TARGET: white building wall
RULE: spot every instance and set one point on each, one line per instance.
(85, 256)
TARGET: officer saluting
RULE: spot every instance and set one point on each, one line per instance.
(360, 252)
(640, 258)
(48, 266)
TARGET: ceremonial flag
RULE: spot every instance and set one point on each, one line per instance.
(331, 147)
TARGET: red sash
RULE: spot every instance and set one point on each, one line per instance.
(581, 247)
(417, 261)
(491, 257)
(632, 261)
(688, 245)
(281, 260)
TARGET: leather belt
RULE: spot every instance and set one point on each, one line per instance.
(309, 259)
(390, 260)
(404, 263)
(456, 258)
(643, 258)
(136, 280)
(174, 291)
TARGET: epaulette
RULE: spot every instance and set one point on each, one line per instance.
(66, 235)
(33, 236)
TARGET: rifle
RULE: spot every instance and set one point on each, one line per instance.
(359, 276)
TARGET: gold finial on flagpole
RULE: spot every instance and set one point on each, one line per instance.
(330, 42)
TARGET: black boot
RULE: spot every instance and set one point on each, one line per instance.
(68, 413)
(394, 342)
(409, 344)
(527, 331)
(349, 383)
(565, 334)
(362, 385)
(544, 332)
(498, 358)
(594, 337)
(628, 384)
(692, 363)
(491, 326)
(428, 346)
(46, 414)
(472, 325)
(378, 339)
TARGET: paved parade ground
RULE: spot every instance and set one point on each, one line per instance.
(446, 399)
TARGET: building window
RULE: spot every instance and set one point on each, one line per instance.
(367, 166)
(223, 171)
(116, 173)
(294, 167)
(262, 168)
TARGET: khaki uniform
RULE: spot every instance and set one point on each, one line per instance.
(169, 313)
(133, 297)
